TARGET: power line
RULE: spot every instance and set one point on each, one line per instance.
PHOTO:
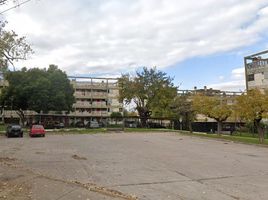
(19, 4)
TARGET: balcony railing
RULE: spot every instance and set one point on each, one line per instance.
(89, 105)
(95, 95)
(90, 114)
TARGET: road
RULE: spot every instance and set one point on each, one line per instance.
(147, 166)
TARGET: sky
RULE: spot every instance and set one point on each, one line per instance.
(198, 43)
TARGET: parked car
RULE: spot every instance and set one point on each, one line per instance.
(14, 130)
(58, 125)
(37, 130)
(79, 124)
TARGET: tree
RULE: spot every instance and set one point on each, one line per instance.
(12, 48)
(39, 90)
(116, 116)
(253, 107)
(2, 2)
(214, 107)
(183, 109)
(152, 92)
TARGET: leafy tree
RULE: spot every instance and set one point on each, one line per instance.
(12, 48)
(38, 90)
(253, 107)
(152, 92)
(214, 107)
(2, 2)
(117, 116)
(183, 109)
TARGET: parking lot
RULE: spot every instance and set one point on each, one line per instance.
(129, 166)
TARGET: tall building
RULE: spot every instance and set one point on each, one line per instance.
(96, 98)
(256, 70)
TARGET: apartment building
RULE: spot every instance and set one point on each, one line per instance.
(229, 97)
(96, 98)
(256, 70)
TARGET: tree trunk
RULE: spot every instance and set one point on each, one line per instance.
(22, 116)
(143, 122)
(260, 132)
(189, 125)
(144, 114)
(219, 127)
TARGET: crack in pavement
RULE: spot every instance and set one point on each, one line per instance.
(200, 181)
(89, 186)
(65, 194)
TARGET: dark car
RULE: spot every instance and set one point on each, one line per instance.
(14, 130)
(59, 125)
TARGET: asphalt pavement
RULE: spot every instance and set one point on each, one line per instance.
(147, 166)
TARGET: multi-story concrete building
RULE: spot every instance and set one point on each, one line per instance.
(203, 123)
(256, 70)
(96, 98)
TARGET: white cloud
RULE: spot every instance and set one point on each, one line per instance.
(114, 36)
(236, 83)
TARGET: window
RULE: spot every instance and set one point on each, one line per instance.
(251, 77)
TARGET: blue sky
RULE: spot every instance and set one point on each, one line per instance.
(214, 70)
(197, 42)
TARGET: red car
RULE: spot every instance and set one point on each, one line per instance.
(37, 130)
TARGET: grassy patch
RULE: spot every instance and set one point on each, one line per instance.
(149, 130)
(235, 138)
(77, 131)
(2, 127)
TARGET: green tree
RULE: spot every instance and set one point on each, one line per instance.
(152, 92)
(183, 109)
(39, 90)
(116, 116)
(253, 107)
(214, 107)
(12, 48)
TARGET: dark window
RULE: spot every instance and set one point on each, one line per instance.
(251, 77)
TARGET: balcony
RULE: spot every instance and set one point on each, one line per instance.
(89, 85)
(90, 95)
(89, 105)
(89, 114)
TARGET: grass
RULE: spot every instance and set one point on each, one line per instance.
(237, 137)
(234, 138)
(149, 130)
(77, 131)
(2, 127)
(247, 138)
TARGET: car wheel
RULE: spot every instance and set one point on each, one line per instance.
(8, 135)
(21, 135)
(43, 135)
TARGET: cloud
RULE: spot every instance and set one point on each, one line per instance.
(115, 36)
(236, 83)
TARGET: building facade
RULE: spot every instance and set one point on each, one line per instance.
(256, 71)
(96, 98)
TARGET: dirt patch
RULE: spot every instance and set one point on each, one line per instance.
(78, 157)
(106, 191)
(7, 159)
(12, 191)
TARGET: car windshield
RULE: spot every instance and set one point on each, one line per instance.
(38, 127)
(15, 126)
